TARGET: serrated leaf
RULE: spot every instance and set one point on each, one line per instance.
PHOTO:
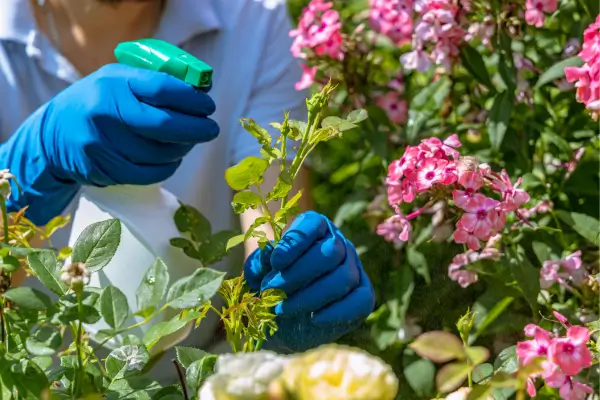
(438, 346)
(46, 268)
(507, 360)
(199, 370)
(247, 172)
(192, 291)
(557, 71)
(187, 355)
(87, 314)
(260, 133)
(97, 244)
(113, 306)
(483, 373)
(248, 199)
(165, 328)
(216, 248)
(234, 241)
(126, 361)
(451, 376)
(55, 224)
(151, 291)
(420, 375)
(27, 298)
(189, 220)
(356, 116)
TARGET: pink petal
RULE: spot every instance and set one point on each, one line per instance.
(578, 334)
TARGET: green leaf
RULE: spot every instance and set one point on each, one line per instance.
(199, 370)
(492, 315)
(289, 206)
(451, 376)
(30, 381)
(507, 73)
(419, 263)
(420, 376)
(260, 133)
(55, 224)
(152, 289)
(282, 187)
(499, 118)
(44, 342)
(349, 210)
(526, 276)
(181, 243)
(234, 241)
(126, 361)
(97, 244)
(585, 225)
(356, 116)
(187, 355)
(216, 248)
(557, 71)
(192, 291)
(438, 346)
(132, 388)
(28, 298)
(473, 62)
(247, 200)
(483, 373)
(248, 172)
(87, 314)
(165, 328)
(190, 220)
(47, 269)
(542, 251)
(113, 306)
(337, 123)
(477, 354)
(507, 360)
(9, 264)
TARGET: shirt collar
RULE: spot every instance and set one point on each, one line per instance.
(181, 20)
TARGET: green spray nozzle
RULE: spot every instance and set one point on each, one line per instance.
(158, 55)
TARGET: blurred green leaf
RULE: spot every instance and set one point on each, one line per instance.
(585, 225)
(557, 71)
(451, 376)
(499, 118)
(438, 346)
(473, 62)
(247, 172)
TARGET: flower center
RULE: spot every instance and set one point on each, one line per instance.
(430, 175)
(542, 350)
(568, 348)
(481, 214)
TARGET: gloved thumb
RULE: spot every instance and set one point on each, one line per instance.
(257, 266)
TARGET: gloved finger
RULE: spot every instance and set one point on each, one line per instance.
(306, 229)
(257, 266)
(162, 90)
(167, 126)
(356, 306)
(140, 150)
(323, 257)
(109, 164)
(326, 290)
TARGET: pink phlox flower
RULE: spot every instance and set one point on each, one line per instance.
(512, 196)
(392, 18)
(461, 235)
(463, 276)
(571, 353)
(472, 181)
(574, 390)
(395, 107)
(529, 350)
(307, 79)
(535, 10)
(481, 218)
(429, 172)
(563, 271)
(395, 229)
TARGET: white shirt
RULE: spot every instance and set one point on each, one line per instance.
(245, 41)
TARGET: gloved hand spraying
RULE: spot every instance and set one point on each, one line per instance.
(119, 125)
(328, 291)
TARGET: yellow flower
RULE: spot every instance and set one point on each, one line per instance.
(334, 372)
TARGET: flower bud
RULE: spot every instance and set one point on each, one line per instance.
(75, 275)
(5, 188)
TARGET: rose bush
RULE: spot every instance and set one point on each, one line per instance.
(472, 190)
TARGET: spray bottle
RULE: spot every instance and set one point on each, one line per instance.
(146, 212)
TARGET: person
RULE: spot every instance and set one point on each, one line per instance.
(72, 116)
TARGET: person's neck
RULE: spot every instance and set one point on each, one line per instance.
(87, 31)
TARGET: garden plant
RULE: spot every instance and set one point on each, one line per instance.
(455, 142)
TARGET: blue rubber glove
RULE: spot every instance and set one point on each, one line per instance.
(119, 125)
(328, 292)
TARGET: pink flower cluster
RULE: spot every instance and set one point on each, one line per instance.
(568, 269)
(395, 107)
(561, 358)
(587, 77)
(318, 31)
(437, 35)
(436, 167)
(536, 10)
(392, 18)
(465, 277)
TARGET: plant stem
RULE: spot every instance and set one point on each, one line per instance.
(79, 346)
(4, 219)
(181, 379)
